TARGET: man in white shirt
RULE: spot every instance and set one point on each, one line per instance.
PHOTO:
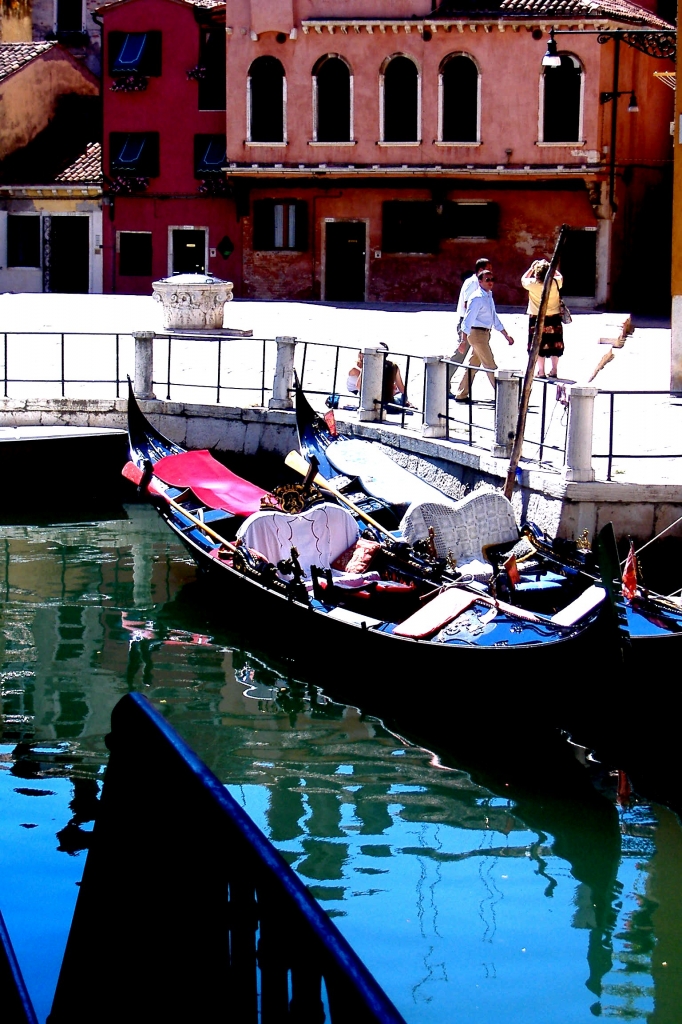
(480, 318)
(469, 286)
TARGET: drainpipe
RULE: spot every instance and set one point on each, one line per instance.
(614, 125)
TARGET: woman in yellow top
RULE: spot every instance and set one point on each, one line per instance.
(552, 342)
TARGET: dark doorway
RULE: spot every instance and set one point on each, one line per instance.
(70, 254)
(579, 263)
(345, 250)
(189, 252)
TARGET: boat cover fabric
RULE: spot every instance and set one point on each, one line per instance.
(213, 483)
(319, 535)
(463, 528)
(379, 475)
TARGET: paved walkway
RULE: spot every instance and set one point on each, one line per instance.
(643, 423)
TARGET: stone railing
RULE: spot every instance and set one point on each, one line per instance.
(578, 454)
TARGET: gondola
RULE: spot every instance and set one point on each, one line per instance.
(548, 574)
(399, 620)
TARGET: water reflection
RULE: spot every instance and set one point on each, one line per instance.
(473, 892)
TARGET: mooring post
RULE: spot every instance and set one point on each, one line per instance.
(579, 441)
(284, 374)
(371, 384)
(506, 412)
(436, 374)
(144, 364)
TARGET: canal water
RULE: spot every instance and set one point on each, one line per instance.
(470, 897)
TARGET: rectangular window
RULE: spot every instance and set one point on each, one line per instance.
(209, 155)
(134, 153)
(135, 253)
(280, 224)
(212, 63)
(23, 240)
(470, 220)
(409, 226)
(134, 52)
(69, 16)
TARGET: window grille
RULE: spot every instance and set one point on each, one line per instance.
(470, 220)
(280, 224)
(409, 226)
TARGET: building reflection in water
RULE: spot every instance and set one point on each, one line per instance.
(468, 900)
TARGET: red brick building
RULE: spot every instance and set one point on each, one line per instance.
(373, 152)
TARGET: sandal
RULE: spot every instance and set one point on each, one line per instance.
(552, 375)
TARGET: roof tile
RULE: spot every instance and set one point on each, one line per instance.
(85, 168)
(13, 56)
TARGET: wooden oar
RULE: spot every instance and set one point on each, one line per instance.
(202, 526)
(299, 465)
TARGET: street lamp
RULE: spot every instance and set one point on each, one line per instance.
(551, 58)
(633, 108)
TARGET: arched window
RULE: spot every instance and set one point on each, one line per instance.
(459, 99)
(400, 101)
(266, 87)
(332, 100)
(562, 101)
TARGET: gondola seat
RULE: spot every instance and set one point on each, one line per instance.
(320, 535)
(464, 529)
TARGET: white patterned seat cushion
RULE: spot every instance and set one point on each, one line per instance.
(319, 535)
(462, 530)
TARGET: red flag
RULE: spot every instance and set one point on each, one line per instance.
(513, 573)
(330, 420)
(630, 575)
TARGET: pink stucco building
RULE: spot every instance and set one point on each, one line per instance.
(375, 150)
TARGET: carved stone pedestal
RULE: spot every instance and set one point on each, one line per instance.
(192, 301)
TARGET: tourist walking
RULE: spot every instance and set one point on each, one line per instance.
(552, 341)
(469, 286)
(480, 319)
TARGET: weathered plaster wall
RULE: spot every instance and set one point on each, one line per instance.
(528, 226)
(15, 21)
(28, 98)
(87, 48)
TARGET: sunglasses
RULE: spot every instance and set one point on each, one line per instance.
(488, 278)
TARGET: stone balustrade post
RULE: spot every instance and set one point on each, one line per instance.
(284, 374)
(372, 384)
(436, 377)
(579, 440)
(506, 412)
(144, 364)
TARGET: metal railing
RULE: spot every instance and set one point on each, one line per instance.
(323, 379)
(610, 455)
(87, 364)
(255, 377)
(186, 912)
(53, 349)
